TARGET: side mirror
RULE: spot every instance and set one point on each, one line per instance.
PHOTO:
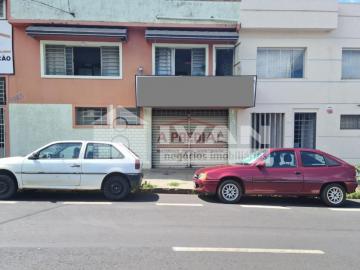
(260, 164)
(34, 156)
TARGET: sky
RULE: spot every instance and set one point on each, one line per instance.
(349, 1)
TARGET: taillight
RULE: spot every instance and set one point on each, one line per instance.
(137, 164)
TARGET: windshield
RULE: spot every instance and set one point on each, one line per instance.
(251, 157)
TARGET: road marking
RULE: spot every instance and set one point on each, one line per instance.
(180, 204)
(8, 202)
(87, 203)
(345, 209)
(248, 250)
(265, 207)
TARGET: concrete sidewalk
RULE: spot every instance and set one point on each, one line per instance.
(169, 179)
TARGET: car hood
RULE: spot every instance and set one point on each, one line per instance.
(11, 160)
(221, 168)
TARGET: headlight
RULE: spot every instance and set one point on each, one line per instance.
(202, 176)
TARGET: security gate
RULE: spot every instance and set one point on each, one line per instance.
(189, 138)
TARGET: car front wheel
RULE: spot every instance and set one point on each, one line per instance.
(116, 188)
(230, 191)
(7, 187)
(333, 195)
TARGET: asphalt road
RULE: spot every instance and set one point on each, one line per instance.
(150, 231)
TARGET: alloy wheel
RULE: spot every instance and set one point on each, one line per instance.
(335, 195)
(230, 192)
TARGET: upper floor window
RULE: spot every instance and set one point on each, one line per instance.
(88, 116)
(180, 61)
(224, 61)
(85, 61)
(2, 9)
(280, 63)
(351, 64)
(2, 92)
(350, 122)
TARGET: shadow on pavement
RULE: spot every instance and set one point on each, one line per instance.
(282, 201)
(83, 196)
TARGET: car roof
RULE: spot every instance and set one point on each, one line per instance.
(83, 141)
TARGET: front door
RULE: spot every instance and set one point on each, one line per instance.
(57, 165)
(281, 174)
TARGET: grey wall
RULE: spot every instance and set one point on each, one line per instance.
(123, 10)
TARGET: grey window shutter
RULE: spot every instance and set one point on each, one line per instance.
(2, 10)
(163, 64)
(69, 51)
(110, 61)
(198, 62)
(2, 91)
(55, 61)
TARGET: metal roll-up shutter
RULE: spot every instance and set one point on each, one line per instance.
(211, 147)
(189, 138)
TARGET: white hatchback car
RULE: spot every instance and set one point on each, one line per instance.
(73, 165)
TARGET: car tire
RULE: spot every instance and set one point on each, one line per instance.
(333, 195)
(8, 187)
(116, 188)
(230, 191)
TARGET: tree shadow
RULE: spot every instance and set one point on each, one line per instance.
(79, 196)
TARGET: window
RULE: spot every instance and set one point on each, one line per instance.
(102, 151)
(2, 9)
(331, 162)
(281, 159)
(61, 60)
(180, 62)
(61, 151)
(351, 64)
(2, 92)
(224, 61)
(305, 130)
(128, 116)
(350, 122)
(280, 63)
(268, 130)
(91, 116)
(310, 159)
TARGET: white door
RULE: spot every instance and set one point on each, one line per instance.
(101, 159)
(57, 165)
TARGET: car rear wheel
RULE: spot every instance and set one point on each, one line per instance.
(7, 187)
(333, 195)
(230, 191)
(116, 188)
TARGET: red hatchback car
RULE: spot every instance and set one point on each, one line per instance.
(285, 171)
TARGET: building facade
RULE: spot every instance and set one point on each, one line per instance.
(186, 83)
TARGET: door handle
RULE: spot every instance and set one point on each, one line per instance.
(298, 173)
(75, 166)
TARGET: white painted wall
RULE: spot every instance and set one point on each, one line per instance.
(34, 125)
(321, 88)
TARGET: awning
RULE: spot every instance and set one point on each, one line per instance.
(192, 35)
(196, 91)
(102, 32)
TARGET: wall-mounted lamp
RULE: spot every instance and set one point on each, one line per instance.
(140, 71)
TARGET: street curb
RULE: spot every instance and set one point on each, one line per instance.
(169, 191)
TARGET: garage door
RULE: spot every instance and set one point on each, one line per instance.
(189, 138)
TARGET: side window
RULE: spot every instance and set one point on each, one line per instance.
(102, 151)
(61, 151)
(281, 159)
(331, 162)
(310, 159)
